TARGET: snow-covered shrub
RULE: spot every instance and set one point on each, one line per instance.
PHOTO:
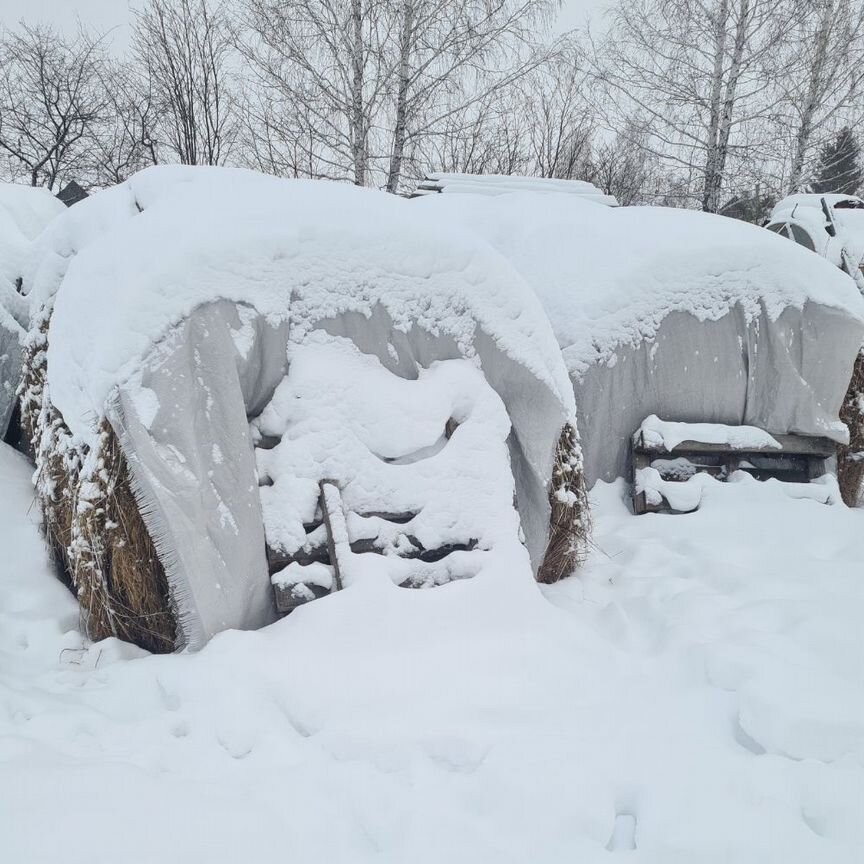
(570, 520)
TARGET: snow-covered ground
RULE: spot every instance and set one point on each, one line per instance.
(697, 693)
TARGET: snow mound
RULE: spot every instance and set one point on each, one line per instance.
(148, 252)
(608, 277)
(696, 696)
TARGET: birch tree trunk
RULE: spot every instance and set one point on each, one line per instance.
(729, 99)
(815, 86)
(359, 131)
(712, 155)
(406, 38)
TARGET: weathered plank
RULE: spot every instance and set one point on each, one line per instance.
(789, 445)
(337, 530)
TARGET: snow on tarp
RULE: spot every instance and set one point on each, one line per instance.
(24, 212)
(201, 278)
(679, 313)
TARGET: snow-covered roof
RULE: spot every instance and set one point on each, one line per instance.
(147, 252)
(608, 277)
(501, 184)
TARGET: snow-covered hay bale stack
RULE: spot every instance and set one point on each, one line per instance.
(91, 519)
(686, 315)
(177, 301)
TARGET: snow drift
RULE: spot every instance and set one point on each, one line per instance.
(176, 298)
(685, 315)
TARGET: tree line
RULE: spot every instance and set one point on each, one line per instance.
(723, 105)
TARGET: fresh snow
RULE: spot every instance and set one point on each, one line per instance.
(608, 277)
(686, 495)
(342, 416)
(24, 213)
(149, 251)
(669, 434)
(695, 695)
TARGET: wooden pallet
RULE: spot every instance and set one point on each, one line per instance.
(799, 459)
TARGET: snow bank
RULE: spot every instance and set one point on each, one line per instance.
(695, 695)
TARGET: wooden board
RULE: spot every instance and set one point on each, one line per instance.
(789, 445)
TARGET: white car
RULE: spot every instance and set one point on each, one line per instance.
(831, 225)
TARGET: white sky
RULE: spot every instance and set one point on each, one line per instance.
(107, 14)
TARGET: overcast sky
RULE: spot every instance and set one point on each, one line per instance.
(107, 14)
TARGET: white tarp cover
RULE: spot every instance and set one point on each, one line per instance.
(676, 313)
(175, 314)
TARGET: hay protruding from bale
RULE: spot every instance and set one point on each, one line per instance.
(91, 519)
(850, 460)
(570, 518)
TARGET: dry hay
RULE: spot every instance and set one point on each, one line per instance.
(570, 519)
(850, 460)
(92, 521)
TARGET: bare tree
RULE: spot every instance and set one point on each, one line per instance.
(354, 88)
(183, 48)
(559, 120)
(624, 167)
(490, 137)
(123, 142)
(453, 54)
(320, 82)
(823, 76)
(50, 99)
(702, 72)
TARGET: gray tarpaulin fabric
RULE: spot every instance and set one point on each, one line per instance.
(785, 376)
(183, 424)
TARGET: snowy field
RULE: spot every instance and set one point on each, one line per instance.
(696, 694)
